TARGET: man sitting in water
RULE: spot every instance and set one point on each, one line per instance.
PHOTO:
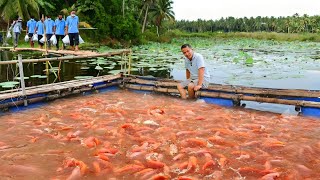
(197, 74)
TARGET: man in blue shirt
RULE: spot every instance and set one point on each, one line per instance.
(49, 25)
(40, 31)
(31, 25)
(197, 74)
(72, 29)
(60, 25)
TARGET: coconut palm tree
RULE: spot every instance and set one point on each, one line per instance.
(78, 10)
(23, 8)
(146, 5)
(162, 10)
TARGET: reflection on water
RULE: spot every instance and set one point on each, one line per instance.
(69, 69)
(125, 135)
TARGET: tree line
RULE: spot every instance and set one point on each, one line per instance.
(118, 19)
(129, 20)
(289, 24)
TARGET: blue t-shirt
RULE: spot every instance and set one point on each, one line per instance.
(40, 28)
(60, 26)
(72, 23)
(194, 65)
(49, 24)
(31, 24)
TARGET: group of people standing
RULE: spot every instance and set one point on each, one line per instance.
(48, 27)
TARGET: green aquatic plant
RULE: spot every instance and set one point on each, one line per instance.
(18, 78)
(99, 68)
(9, 84)
(249, 61)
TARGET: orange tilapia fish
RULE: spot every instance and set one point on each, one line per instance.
(127, 135)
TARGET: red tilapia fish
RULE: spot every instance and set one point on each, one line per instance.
(126, 135)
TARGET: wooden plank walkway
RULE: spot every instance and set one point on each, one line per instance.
(233, 88)
(47, 88)
(61, 52)
(71, 57)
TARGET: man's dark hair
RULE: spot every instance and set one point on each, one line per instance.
(32, 17)
(185, 46)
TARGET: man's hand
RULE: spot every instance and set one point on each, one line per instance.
(196, 88)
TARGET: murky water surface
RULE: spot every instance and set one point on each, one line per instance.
(126, 135)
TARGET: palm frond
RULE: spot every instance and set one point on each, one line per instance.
(85, 24)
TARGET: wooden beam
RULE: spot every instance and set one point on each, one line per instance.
(57, 86)
(265, 92)
(67, 57)
(235, 97)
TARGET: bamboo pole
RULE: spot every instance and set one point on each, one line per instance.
(57, 86)
(265, 92)
(259, 99)
(129, 68)
(94, 80)
(23, 87)
(59, 69)
(52, 69)
(54, 96)
(235, 97)
(65, 58)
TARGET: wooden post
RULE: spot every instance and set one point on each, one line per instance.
(44, 35)
(129, 68)
(59, 70)
(23, 86)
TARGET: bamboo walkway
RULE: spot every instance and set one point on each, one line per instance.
(61, 52)
(236, 93)
(57, 87)
(75, 56)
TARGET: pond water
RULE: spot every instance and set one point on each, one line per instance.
(126, 135)
(248, 62)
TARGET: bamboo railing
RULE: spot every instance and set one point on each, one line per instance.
(67, 57)
(55, 91)
(234, 93)
(271, 92)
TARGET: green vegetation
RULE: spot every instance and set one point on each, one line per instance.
(117, 22)
(169, 35)
(290, 24)
(121, 23)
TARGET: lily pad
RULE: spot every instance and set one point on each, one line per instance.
(98, 68)
(9, 83)
(109, 67)
(8, 86)
(18, 78)
(85, 68)
(115, 72)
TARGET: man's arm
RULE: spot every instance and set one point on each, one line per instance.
(66, 31)
(187, 74)
(66, 27)
(54, 27)
(35, 29)
(200, 79)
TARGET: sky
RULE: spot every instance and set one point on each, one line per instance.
(215, 9)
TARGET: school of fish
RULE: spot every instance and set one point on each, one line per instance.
(129, 135)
